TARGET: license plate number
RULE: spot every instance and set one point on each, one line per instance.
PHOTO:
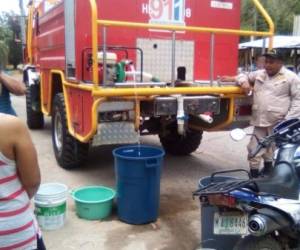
(230, 223)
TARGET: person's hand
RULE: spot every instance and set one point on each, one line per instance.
(247, 88)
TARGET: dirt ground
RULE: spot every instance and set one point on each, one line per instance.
(178, 225)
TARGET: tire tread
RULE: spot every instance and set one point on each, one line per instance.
(176, 144)
(74, 152)
(35, 119)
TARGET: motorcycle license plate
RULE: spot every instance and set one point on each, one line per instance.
(230, 223)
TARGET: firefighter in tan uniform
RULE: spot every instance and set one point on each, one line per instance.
(276, 97)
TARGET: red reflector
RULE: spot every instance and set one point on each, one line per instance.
(221, 200)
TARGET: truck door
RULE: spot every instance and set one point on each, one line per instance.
(70, 38)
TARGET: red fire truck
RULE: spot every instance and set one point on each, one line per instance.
(108, 71)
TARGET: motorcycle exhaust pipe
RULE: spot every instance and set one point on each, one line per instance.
(260, 225)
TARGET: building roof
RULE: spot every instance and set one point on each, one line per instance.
(279, 42)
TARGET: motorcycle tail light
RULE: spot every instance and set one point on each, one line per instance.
(221, 200)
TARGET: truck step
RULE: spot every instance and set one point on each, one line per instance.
(115, 133)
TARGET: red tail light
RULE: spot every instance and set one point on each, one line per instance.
(221, 200)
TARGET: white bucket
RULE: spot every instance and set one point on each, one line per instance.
(50, 205)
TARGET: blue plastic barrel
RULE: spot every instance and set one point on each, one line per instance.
(138, 170)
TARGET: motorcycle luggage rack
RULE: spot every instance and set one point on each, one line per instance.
(223, 187)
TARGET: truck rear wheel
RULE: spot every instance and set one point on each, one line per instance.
(69, 152)
(35, 119)
(176, 144)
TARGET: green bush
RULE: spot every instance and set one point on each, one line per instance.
(3, 54)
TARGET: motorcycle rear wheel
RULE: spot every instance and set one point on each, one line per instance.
(258, 243)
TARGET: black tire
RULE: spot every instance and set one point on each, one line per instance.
(180, 145)
(69, 152)
(35, 119)
(258, 243)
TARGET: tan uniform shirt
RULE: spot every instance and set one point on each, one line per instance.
(274, 98)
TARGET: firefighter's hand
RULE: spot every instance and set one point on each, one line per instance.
(227, 79)
(247, 88)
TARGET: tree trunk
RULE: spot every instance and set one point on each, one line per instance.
(22, 25)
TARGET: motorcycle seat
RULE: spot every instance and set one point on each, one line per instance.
(282, 182)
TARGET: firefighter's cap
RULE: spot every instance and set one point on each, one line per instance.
(274, 53)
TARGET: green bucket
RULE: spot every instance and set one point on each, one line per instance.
(93, 202)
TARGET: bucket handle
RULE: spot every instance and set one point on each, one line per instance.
(151, 163)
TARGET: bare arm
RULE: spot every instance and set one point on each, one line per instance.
(14, 86)
(26, 160)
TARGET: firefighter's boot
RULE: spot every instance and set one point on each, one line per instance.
(254, 172)
(268, 168)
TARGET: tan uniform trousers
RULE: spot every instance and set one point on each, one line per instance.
(266, 153)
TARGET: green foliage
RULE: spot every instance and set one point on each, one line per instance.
(15, 53)
(3, 54)
(5, 36)
(15, 45)
(282, 13)
(10, 50)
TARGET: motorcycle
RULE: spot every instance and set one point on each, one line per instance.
(264, 212)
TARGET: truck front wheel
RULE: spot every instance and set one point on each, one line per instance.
(176, 144)
(69, 152)
(35, 118)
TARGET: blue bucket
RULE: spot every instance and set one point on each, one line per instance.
(138, 170)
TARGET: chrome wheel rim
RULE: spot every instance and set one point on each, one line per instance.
(58, 133)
